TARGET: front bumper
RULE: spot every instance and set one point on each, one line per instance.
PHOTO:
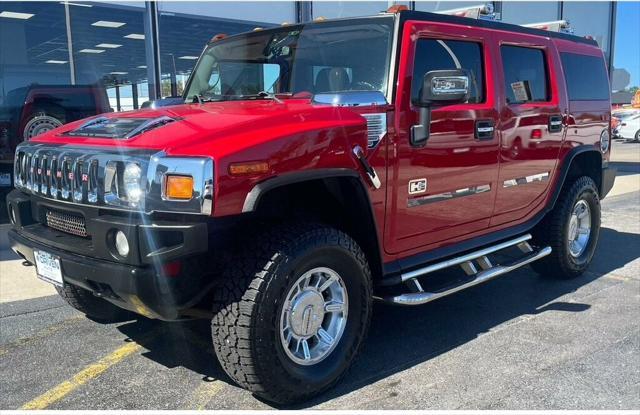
(166, 272)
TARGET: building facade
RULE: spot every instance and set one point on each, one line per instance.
(93, 57)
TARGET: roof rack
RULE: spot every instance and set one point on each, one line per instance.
(553, 26)
(481, 11)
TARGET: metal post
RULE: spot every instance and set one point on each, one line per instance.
(304, 11)
(118, 106)
(612, 37)
(152, 49)
(134, 95)
(72, 68)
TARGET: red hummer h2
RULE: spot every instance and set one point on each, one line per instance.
(312, 168)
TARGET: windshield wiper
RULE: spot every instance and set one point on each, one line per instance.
(270, 95)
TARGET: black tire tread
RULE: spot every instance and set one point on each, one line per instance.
(87, 303)
(551, 231)
(235, 305)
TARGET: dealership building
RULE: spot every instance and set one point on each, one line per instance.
(117, 55)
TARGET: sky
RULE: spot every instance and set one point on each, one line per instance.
(626, 53)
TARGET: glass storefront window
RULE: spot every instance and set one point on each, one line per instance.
(186, 27)
(337, 9)
(590, 18)
(60, 62)
(523, 12)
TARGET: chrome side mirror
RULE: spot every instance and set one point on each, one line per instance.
(439, 87)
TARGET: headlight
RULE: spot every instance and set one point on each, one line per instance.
(131, 181)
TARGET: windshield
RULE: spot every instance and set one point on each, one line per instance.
(350, 55)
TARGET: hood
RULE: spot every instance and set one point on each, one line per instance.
(178, 129)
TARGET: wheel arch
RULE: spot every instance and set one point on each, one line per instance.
(336, 197)
(584, 160)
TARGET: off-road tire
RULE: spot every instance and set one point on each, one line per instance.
(247, 309)
(553, 231)
(93, 307)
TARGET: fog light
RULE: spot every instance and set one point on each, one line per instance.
(122, 245)
(605, 140)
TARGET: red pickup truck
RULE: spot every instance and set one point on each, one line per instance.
(313, 168)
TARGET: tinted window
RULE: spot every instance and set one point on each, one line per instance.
(525, 74)
(586, 77)
(432, 55)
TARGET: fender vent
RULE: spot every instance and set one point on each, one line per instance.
(376, 128)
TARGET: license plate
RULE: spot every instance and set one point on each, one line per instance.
(48, 267)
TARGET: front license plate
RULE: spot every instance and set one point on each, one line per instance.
(48, 267)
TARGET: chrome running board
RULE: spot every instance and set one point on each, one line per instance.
(484, 271)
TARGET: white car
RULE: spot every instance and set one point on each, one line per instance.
(629, 127)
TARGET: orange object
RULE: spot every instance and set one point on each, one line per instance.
(217, 37)
(250, 167)
(396, 8)
(178, 187)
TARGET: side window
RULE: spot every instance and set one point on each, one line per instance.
(525, 75)
(435, 54)
(586, 77)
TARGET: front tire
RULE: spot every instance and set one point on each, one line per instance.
(572, 231)
(287, 296)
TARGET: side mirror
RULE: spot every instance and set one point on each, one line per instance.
(439, 87)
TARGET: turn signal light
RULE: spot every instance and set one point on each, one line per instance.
(245, 168)
(179, 187)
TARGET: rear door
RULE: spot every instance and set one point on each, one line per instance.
(445, 188)
(531, 123)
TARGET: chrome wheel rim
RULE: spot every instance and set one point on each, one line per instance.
(314, 316)
(579, 228)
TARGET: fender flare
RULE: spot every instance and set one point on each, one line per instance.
(252, 200)
(567, 162)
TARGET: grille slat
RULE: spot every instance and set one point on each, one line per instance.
(67, 222)
(376, 128)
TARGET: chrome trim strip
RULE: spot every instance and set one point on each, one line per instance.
(440, 197)
(540, 177)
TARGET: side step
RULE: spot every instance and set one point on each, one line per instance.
(487, 271)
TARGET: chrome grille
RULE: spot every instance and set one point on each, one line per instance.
(376, 128)
(67, 222)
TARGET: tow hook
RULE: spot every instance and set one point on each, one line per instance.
(371, 173)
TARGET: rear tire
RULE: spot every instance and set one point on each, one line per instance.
(249, 327)
(92, 306)
(566, 233)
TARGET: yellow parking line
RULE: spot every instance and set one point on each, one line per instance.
(204, 394)
(90, 372)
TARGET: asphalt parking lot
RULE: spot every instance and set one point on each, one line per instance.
(521, 341)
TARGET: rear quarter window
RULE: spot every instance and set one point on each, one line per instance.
(586, 77)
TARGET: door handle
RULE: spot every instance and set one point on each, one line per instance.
(555, 123)
(484, 130)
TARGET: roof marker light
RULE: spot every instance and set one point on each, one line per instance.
(397, 8)
(219, 36)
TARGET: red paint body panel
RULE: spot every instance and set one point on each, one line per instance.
(297, 135)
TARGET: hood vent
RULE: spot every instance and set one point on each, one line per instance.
(118, 128)
(376, 128)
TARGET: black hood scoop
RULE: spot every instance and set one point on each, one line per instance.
(118, 128)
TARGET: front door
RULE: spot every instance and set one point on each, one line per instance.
(446, 188)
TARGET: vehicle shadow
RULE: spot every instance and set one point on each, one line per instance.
(625, 168)
(424, 333)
